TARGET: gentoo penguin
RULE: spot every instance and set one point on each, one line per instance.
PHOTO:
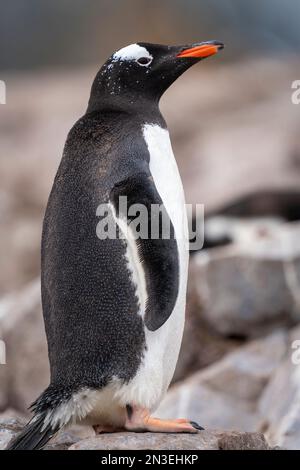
(114, 307)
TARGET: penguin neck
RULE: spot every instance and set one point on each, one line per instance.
(106, 95)
(132, 105)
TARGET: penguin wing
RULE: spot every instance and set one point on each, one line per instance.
(156, 244)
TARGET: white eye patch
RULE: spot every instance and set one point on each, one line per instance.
(134, 52)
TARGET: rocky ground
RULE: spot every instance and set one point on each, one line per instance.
(235, 375)
(204, 440)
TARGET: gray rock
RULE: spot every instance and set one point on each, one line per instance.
(242, 441)
(280, 402)
(204, 440)
(26, 372)
(9, 427)
(252, 286)
(244, 373)
(69, 436)
(84, 440)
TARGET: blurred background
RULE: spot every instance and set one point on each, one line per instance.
(235, 133)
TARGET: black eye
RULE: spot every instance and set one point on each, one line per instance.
(144, 60)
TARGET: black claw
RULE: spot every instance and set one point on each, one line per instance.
(196, 426)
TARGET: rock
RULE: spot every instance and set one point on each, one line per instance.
(280, 402)
(244, 373)
(251, 286)
(73, 434)
(242, 441)
(9, 427)
(204, 440)
(149, 441)
(225, 394)
(26, 372)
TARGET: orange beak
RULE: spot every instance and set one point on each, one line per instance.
(202, 51)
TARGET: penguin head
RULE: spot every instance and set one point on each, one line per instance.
(143, 71)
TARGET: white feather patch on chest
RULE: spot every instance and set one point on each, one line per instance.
(164, 170)
(154, 375)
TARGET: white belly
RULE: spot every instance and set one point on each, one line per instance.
(156, 371)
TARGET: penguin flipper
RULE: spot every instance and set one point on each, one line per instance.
(159, 254)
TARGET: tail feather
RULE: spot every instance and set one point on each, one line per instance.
(35, 434)
(53, 410)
